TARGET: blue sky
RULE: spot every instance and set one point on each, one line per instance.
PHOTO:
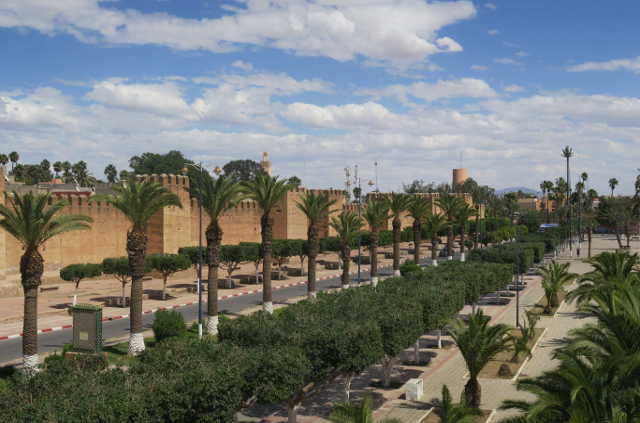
(327, 84)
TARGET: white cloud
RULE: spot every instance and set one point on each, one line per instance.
(242, 65)
(632, 65)
(522, 53)
(368, 115)
(493, 32)
(443, 89)
(392, 32)
(514, 88)
(479, 67)
(490, 6)
(506, 61)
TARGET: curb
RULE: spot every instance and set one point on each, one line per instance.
(225, 297)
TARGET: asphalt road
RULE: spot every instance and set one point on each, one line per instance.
(11, 349)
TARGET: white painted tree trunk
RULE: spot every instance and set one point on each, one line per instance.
(439, 338)
(347, 387)
(311, 295)
(450, 258)
(374, 281)
(345, 286)
(136, 343)
(416, 351)
(435, 263)
(212, 325)
(292, 413)
(462, 258)
(75, 299)
(267, 307)
(30, 363)
(396, 273)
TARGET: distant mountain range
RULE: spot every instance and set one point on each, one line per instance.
(516, 189)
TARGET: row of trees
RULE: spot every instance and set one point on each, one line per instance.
(262, 357)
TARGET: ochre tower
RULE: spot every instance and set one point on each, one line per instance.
(266, 163)
(459, 176)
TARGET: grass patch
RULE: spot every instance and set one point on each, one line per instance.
(118, 354)
(481, 418)
(490, 371)
(538, 307)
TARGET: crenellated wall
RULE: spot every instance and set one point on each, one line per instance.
(168, 230)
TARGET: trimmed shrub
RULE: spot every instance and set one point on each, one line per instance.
(168, 324)
(409, 266)
(77, 272)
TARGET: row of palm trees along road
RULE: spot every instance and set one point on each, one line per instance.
(33, 219)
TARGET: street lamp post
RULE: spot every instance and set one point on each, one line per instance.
(200, 252)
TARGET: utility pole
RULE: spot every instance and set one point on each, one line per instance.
(358, 199)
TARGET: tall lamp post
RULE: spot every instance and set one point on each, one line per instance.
(567, 153)
(199, 168)
(358, 195)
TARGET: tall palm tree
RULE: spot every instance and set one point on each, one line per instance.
(449, 205)
(317, 208)
(266, 191)
(347, 225)
(463, 214)
(554, 277)
(217, 196)
(478, 343)
(398, 204)
(14, 157)
(548, 189)
(4, 159)
(418, 209)
(435, 223)
(57, 168)
(567, 153)
(32, 221)
(613, 183)
(138, 202)
(376, 215)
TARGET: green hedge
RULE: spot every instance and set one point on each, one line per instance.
(511, 253)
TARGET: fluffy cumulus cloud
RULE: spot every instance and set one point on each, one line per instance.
(631, 65)
(233, 116)
(443, 89)
(396, 32)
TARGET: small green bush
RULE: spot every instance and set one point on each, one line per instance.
(168, 324)
(409, 266)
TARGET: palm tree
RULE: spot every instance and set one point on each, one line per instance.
(138, 202)
(111, 173)
(548, 188)
(349, 413)
(478, 343)
(607, 267)
(449, 206)
(347, 225)
(567, 153)
(451, 413)
(317, 208)
(32, 221)
(217, 196)
(57, 168)
(554, 277)
(418, 210)
(266, 191)
(613, 183)
(463, 213)
(398, 204)
(376, 215)
(435, 222)
(14, 157)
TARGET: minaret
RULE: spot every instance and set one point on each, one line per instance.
(266, 163)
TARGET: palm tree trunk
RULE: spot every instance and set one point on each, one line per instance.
(136, 249)
(214, 240)
(589, 242)
(450, 241)
(267, 235)
(346, 262)
(164, 287)
(434, 248)
(314, 247)
(417, 240)
(473, 392)
(373, 251)
(396, 245)
(31, 269)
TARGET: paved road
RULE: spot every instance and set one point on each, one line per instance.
(11, 349)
